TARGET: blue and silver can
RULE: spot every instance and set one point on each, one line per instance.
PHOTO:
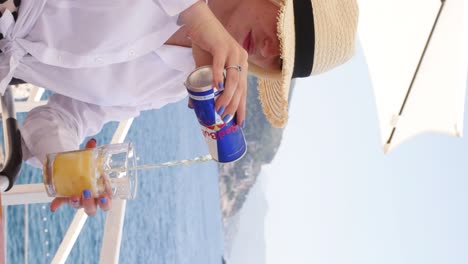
(225, 140)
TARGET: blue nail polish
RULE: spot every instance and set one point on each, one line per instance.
(226, 118)
(243, 124)
(221, 85)
(75, 201)
(103, 200)
(87, 194)
(221, 110)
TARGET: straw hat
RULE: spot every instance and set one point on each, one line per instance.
(315, 36)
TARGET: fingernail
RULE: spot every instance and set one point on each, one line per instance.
(221, 110)
(52, 209)
(226, 118)
(87, 194)
(103, 200)
(75, 201)
(93, 139)
(243, 124)
(221, 85)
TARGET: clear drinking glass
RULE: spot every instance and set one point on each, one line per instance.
(107, 169)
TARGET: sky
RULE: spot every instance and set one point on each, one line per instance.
(334, 197)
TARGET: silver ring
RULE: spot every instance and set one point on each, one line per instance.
(237, 67)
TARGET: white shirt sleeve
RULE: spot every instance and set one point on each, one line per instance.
(62, 124)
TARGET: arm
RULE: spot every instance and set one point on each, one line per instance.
(213, 45)
(206, 33)
(62, 124)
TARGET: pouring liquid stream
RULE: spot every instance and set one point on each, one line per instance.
(199, 159)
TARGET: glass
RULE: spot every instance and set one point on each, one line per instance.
(107, 169)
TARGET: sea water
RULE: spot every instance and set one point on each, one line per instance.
(175, 217)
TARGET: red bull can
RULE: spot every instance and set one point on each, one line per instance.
(225, 140)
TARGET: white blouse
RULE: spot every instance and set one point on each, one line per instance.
(106, 59)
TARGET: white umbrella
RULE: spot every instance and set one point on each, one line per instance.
(416, 52)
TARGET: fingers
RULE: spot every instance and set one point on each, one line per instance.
(242, 99)
(190, 103)
(91, 143)
(88, 202)
(57, 202)
(105, 203)
(234, 95)
(75, 202)
(219, 61)
(230, 87)
(227, 77)
(241, 110)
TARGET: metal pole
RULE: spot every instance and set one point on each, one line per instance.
(442, 4)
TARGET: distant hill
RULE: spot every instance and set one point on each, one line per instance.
(244, 239)
(263, 141)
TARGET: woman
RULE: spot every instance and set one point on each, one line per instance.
(109, 60)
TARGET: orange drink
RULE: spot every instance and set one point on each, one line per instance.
(74, 172)
(109, 169)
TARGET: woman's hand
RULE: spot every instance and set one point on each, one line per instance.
(213, 45)
(85, 201)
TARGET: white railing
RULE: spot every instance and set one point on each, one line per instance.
(35, 193)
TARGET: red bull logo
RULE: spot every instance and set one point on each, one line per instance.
(216, 127)
(219, 134)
